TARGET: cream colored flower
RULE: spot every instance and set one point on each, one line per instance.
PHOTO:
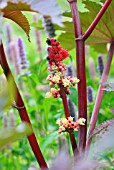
(81, 121)
(64, 121)
(76, 129)
(75, 80)
(54, 67)
(58, 122)
(70, 119)
(62, 128)
(66, 82)
(53, 90)
(49, 77)
(56, 78)
(59, 73)
(48, 95)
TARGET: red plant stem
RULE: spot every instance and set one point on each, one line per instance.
(67, 114)
(22, 110)
(97, 19)
(100, 94)
(81, 74)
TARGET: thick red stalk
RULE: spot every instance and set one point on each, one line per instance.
(97, 19)
(100, 94)
(22, 110)
(81, 74)
(67, 114)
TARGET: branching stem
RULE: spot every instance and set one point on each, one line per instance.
(81, 74)
(97, 19)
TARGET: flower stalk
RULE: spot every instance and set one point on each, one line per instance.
(67, 114)
(56, 54)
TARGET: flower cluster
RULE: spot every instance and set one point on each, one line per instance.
(53, 93)
(56, 55)
(68, 125)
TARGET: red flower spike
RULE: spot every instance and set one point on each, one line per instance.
(56, 53)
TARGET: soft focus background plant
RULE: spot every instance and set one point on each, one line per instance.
(28, 63)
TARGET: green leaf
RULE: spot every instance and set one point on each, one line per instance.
(1, 70)
(67, 26)
(67, 40)
(81, 6)
(110, 97)
(20, 19)
(37, 25)
(5, 100)
(49, 139)
(8, 135)
(102, 34)
(64, 5)
(42, 68)
(6, 95)
(73, 95)
(97, 1)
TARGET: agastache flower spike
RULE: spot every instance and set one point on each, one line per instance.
(23, 60)
(70, 71)
(100, 65)
(8, 32)
(9, 41)
(48, 26)
(5, 120)
(56, 54)
(90, 94)
(15, 57)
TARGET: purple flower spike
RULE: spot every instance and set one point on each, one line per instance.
(8, 32)
(90, 94)
(23, 60)
(48, 26)
(100, 65)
